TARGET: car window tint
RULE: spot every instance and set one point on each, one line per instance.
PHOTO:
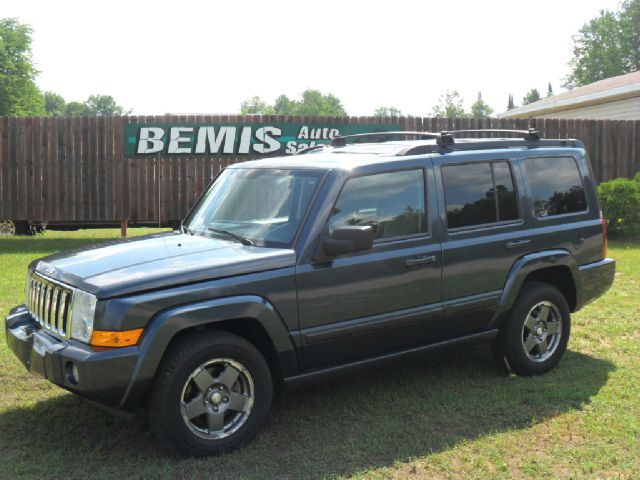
(469, 194)
(507, 202)
(392, 203)
(556, 185)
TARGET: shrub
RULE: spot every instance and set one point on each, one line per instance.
(621, 203)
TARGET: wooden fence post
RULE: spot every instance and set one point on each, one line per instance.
(123, 228)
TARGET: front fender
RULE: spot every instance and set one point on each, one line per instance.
(522, 268)
(165, 325)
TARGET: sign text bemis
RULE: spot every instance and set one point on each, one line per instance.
(236, 138)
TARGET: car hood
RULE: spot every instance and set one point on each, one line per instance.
(162, 260)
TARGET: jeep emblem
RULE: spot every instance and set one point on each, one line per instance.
(50, 270)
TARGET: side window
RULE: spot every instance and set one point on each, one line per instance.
(556, 185)
(392, 203)
(479, 193)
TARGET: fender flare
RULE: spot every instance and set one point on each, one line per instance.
(164, 326)
(522, 268)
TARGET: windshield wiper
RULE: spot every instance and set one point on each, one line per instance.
(186, 229)
(241, 238)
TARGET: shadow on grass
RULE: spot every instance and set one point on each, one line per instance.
(364, 421)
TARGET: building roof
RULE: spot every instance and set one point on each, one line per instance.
(603, 91)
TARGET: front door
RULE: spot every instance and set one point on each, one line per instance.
(380, 300)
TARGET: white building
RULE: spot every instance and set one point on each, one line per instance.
(616, 98)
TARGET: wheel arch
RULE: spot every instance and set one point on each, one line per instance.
(248, 328)
(560, 277)
(555, 267)
(251, 317)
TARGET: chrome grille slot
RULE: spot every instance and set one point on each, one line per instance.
(49, 303)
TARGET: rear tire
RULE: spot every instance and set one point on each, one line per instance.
(212, 394)
(534, 337)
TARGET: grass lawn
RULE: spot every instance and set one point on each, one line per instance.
(450, 415)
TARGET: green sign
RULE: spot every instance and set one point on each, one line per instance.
(236, 138)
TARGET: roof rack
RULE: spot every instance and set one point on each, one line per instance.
(311, 149)
(530, 134)
(443, 139)
(342, 141)
(489, 144)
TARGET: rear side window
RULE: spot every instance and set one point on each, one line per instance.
(479, 193)
(556, 185)
(392, 203)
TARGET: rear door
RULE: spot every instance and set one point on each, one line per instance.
(380, 300)
(485, 231)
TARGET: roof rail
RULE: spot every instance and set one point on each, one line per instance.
(311, 149)
(489, 144)
(530, 134)
(342, 141)
(444, 138)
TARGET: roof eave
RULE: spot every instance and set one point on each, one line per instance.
(614, 94)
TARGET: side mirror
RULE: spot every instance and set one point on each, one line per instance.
(348, 239)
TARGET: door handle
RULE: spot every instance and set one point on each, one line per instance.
(518, 243)
(422, 260)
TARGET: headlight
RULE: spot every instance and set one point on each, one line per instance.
(83, 310)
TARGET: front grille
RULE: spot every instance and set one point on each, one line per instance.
(50, 304)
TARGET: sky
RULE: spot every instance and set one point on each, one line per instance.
(208, 56)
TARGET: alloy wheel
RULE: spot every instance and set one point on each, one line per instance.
(542, 331)
(217, 398)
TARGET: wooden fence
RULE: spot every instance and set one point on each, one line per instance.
(74, 169)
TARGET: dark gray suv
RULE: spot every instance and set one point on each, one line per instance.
(292, 269)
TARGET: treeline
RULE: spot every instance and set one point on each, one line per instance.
(606, 46)
(19, 94)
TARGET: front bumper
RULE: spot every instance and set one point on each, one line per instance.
(595, 279)
(101, 376)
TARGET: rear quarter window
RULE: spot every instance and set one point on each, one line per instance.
(556, 186)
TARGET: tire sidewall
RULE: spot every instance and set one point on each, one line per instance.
(511, 341)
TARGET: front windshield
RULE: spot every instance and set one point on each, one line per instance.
(263, 205)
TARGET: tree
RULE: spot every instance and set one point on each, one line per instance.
(18, 92)
(532, 95)
(387, 112)
(480, 109)
(54, 104)
(549, 90)
(284, 106)
(312, 102)
(76, 108)
(256, 106)
(104, 105)
(449, 105)
(606, 46)
(510, 104)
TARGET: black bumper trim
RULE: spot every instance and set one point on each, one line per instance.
(102, 376)
(595, 279)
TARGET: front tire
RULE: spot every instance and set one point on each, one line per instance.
(535, 335)
(212, 394)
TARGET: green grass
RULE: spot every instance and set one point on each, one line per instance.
(450, 415)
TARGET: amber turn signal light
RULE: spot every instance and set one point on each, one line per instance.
(108, 338)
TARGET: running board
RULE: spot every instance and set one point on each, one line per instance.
(327, 373)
